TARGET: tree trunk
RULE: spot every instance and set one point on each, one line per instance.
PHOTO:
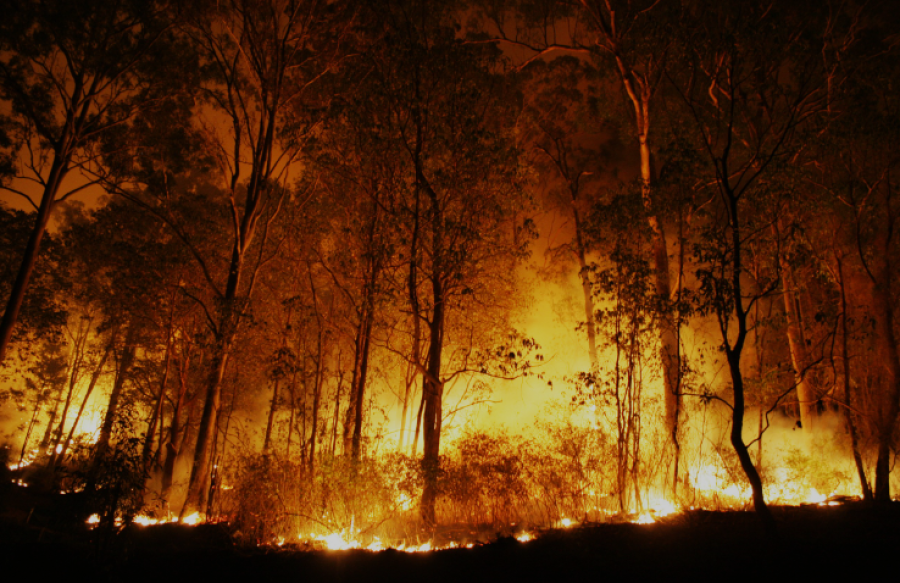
(290, 431)
(740, 448)
(124, 370)
(77, 362)
(38, 405)
(884, 325)
(271, 421)
(94, 378)
(410, 379)
(359, 404)
(640, 93)
(848, 390)
(587, 291)
(733, 354)
(176, 429)
(433, 390)
(206, 433)
(668, 334)
(158, 409)
(806, 393)
(317, 391)
(335, 421)
(58, 171)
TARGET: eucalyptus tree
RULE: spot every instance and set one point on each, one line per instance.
(257, 97)
(854, 179)
(753, 83)
(42, 312)
(450, 111)
(263, 59)
(70, 72)
(633, 41)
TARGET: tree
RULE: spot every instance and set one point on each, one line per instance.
(633, 38)
(71, 72)
(753, 84)
(263, 58)
(451, 113)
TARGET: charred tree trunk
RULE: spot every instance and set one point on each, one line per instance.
(290, 431)
(48, 433)
(335, 421)
(357, 384)
(359, 399)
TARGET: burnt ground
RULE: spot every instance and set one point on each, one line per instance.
(52, 543)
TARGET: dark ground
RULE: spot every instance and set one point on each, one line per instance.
(848, 540)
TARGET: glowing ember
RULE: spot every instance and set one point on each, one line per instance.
(525, 537)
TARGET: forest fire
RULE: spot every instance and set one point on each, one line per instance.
(446, 278)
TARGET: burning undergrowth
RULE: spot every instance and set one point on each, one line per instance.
(495, 484)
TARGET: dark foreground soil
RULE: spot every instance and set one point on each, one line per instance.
(851, 540)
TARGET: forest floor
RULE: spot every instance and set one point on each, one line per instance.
(849, 539)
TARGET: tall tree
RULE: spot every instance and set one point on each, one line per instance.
(752, 85)
(451, 114)
(71, 72)
(263, 58)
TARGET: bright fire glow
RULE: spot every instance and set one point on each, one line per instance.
(192, 519)
(645, 518)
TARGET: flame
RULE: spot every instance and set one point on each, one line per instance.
(644, 518)
(525, 537)
(192, 519)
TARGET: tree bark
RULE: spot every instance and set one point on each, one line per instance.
(806, 393)
(587, 291)
(272, 408)
(207, 431)
(317, 392)
(124, 370)
(884, 325)
(848, 389)
(433, 390)
(58, 171)
(733, 354)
